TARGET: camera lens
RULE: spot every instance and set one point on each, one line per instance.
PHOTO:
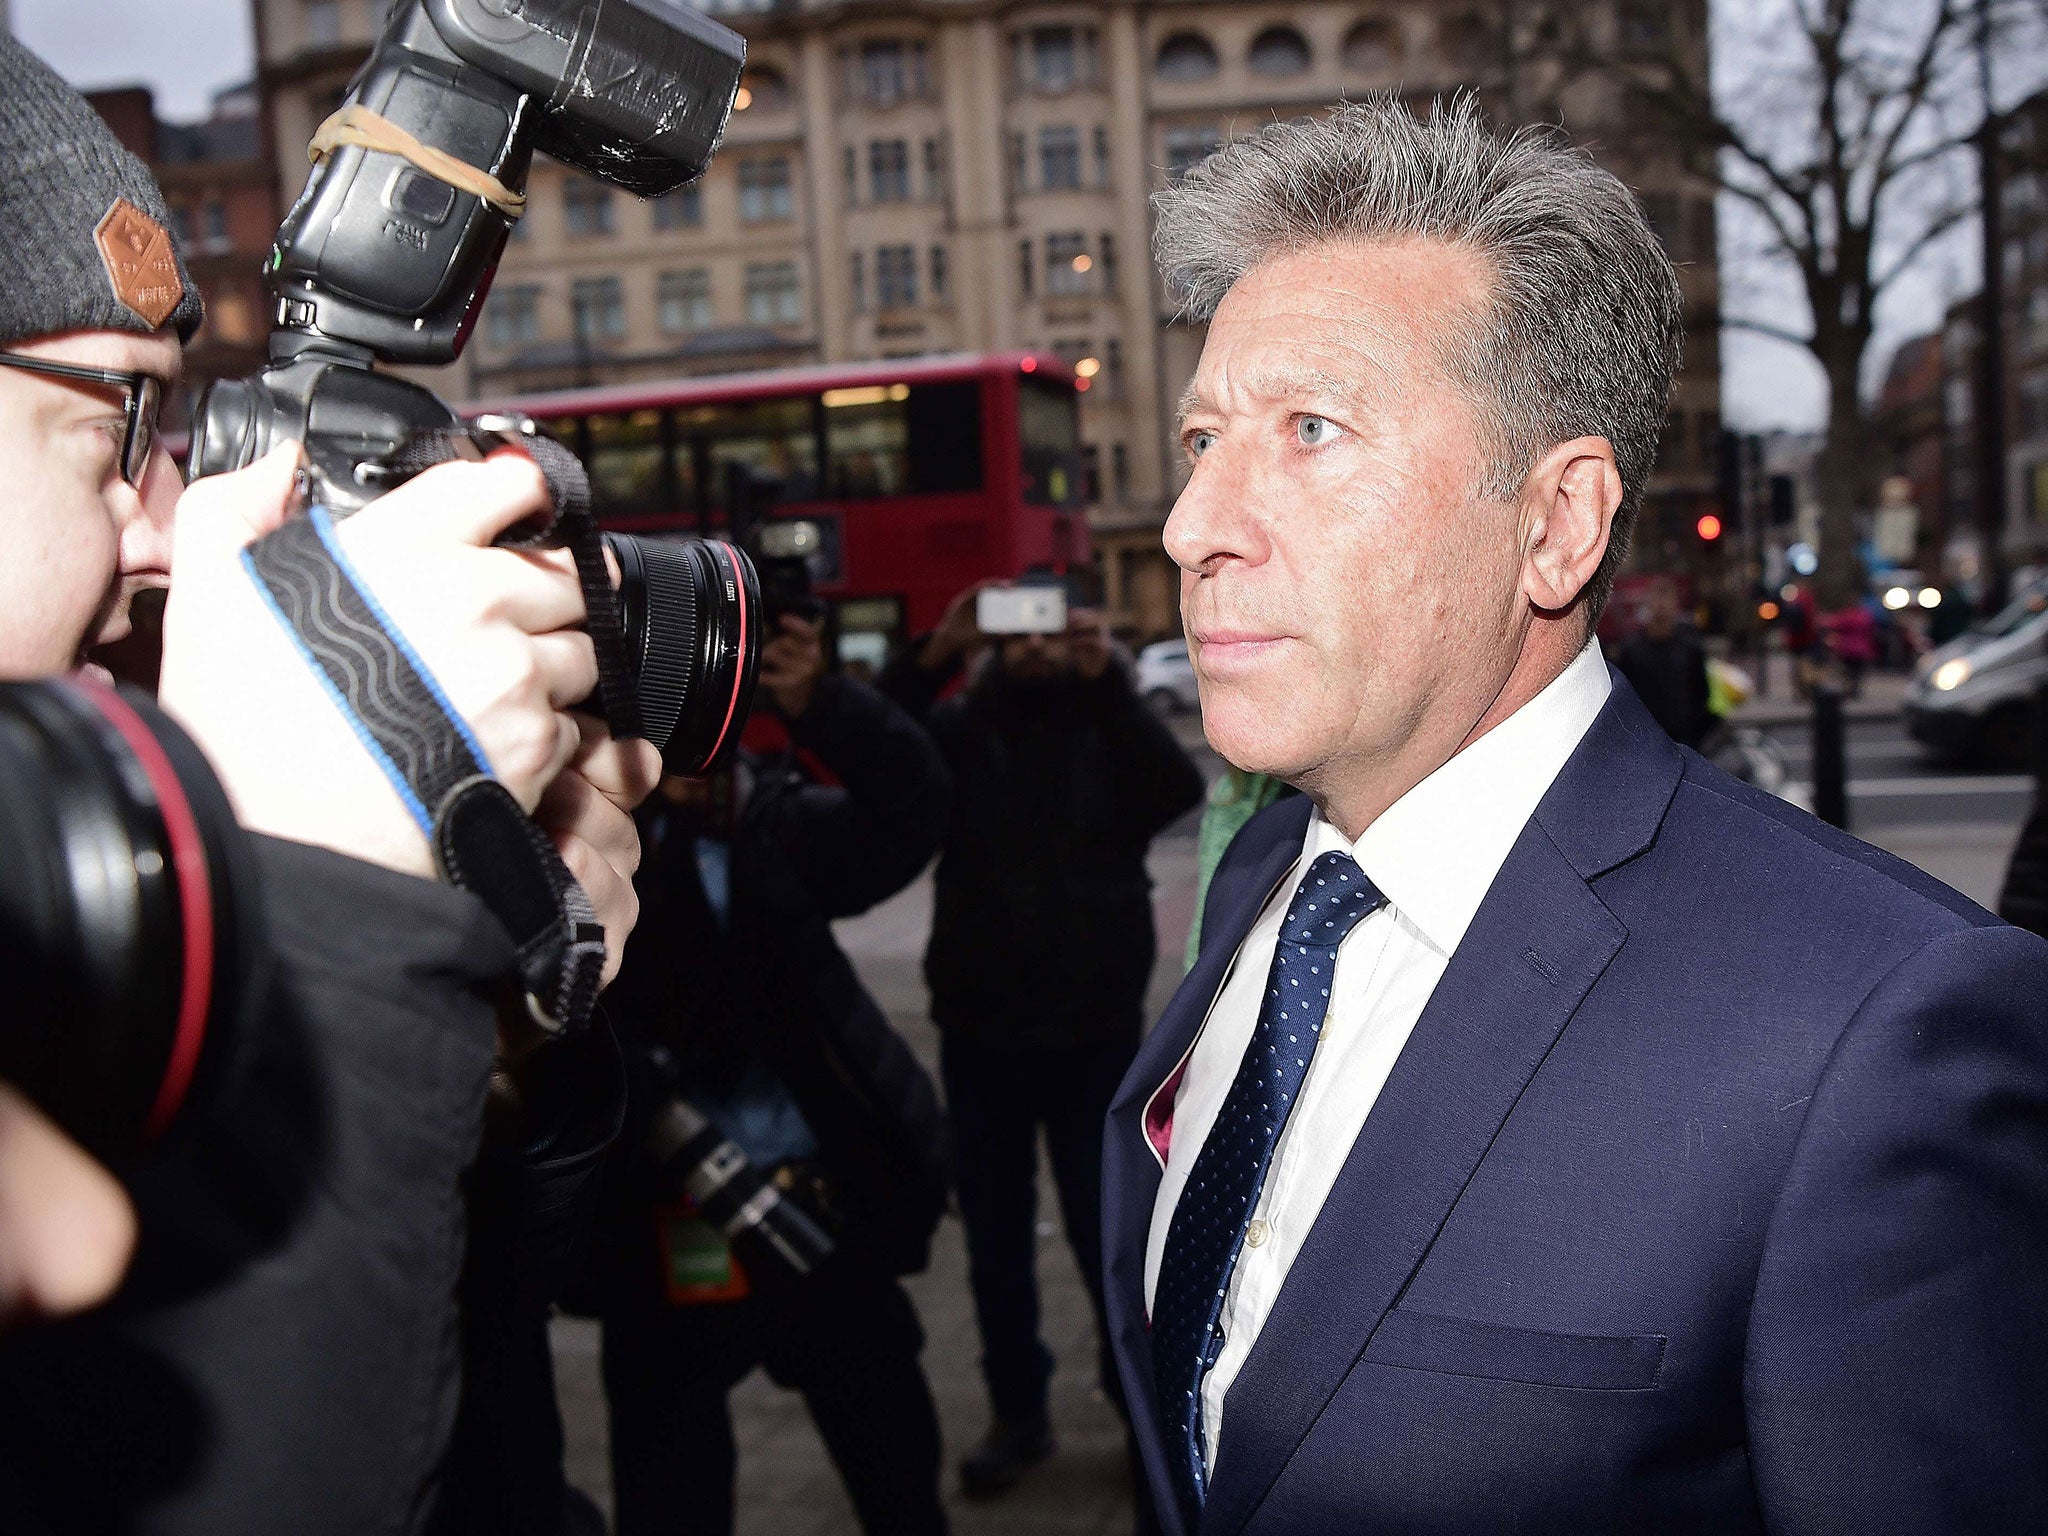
(127, 931)
(692, 611)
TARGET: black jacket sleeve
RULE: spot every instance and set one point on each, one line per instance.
(862, 840)
(284, 1354)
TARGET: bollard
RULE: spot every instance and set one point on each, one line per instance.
(1830, 759)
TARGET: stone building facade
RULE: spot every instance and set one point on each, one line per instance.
(968, 175)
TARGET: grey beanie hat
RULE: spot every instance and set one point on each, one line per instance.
(83, 242)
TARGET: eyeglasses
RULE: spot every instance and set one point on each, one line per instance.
(143, 394)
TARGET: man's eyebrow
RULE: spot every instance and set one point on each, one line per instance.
(1286, 381)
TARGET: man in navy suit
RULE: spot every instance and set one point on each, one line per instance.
(1553, 1134)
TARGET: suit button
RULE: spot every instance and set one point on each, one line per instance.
(1255, 1234)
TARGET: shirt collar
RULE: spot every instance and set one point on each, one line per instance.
(1435, 852)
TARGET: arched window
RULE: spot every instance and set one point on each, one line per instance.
(763, 88)
(1278, 51)
(1186, 56)
(1372, 47)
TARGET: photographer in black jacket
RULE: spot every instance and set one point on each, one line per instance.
(734, 984)
(1042, 944)
(284, 1352)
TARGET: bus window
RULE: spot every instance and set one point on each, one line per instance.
(1050, 426)
(777, 439)
(898, 439)
(624, 458)
(566, 430)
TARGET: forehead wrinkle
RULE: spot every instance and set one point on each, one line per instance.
(1274, 382)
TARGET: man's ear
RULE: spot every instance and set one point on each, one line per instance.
(1568, 504)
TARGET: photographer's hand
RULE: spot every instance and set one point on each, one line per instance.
(588, 812)
(958, 632)
(66, 1227)
(492, 625)
(791, 665)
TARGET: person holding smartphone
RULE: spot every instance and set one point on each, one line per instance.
(1042, 945)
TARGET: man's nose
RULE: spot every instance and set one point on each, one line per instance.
(1216, 517)
(146, 539)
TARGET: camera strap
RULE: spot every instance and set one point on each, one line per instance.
(482, 841)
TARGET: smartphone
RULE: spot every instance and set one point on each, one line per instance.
(1020, 611)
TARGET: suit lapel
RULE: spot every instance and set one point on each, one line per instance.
(1262, 853)
(1535, 948)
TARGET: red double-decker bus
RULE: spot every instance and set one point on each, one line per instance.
(899, 482)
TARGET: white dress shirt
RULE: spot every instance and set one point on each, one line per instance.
(1433, 853)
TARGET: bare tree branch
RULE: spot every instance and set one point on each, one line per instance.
(1940, 225)
(1765, 328)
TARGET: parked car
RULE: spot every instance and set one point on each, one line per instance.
(1974, 697)
(1166, 678)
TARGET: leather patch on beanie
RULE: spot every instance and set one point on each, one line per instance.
(140, 262)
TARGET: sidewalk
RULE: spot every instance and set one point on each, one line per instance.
(1882, 695)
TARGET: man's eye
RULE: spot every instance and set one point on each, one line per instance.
(1199, 443)
(1314, 431)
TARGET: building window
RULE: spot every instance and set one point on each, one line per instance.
(1120, 468)
(1468, 43)
(323, 23)
(1278, 51)
(852, 176)
(1113, 376)
(1187, 148)
(896, 276)
(764, 191)
(1059, 158)
(1067, 263)
(512, 315)
(888, 70)
(1091, 472)
(1185, 57)
(889, 170)
(680, 209)
(934, 172)
(586, 206)
(213, 224)
(762, 89)
(1106, 248)
(773, 297)
(600, 307)
(181, 227)
(1372, 47)
(1101, 156)
(940, 292)
(1056, 59)
(1024, 268)
(685, 301)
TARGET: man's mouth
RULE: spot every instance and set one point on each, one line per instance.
(1221, 652)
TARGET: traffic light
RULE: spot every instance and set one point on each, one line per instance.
(1708, 527)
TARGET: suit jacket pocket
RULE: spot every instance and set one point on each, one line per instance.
(1457, 1346)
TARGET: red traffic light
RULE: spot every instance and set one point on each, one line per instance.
(1709, 527)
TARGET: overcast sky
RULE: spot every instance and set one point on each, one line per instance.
(185, 50)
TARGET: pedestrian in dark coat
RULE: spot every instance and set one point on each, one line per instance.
(735, 996)
(1042, 946)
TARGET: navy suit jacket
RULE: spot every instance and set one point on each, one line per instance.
(1710, 1193)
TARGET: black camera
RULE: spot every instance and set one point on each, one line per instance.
(128, 918)
(390, 249)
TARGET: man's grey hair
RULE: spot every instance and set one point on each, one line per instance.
(1581, 334)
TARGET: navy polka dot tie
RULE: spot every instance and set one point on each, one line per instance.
(1208, 1225)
